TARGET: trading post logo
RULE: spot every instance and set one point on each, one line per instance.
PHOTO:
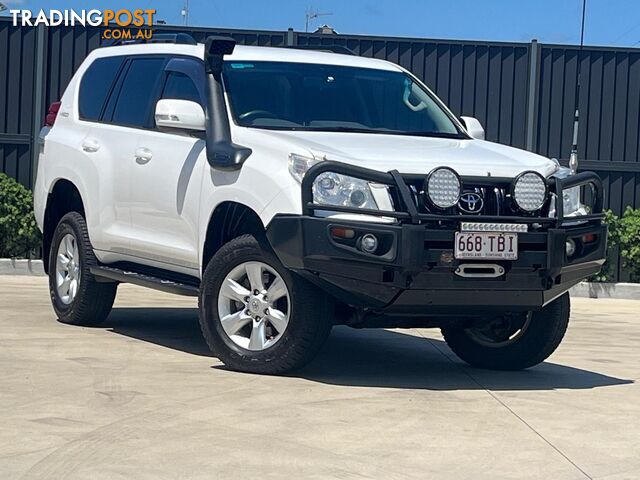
(119, 24)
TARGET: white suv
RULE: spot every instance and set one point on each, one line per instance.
(292, 190)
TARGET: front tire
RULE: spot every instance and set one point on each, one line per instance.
(256, 315)
(76, 296)
(512, 342)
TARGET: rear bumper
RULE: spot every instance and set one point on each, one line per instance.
(415, 274)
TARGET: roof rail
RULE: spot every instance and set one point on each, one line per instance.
(325, 48)
(178, 38)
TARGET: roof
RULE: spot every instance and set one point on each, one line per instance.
(248, 53)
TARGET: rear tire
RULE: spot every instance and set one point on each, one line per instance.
(537, 338)
(256, 315)
(76, 296)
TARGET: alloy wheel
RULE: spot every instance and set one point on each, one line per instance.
(254, 305)
(68, 271)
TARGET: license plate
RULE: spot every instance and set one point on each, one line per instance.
(486, 245)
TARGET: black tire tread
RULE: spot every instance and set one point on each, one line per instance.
(95, 299)
(312, 316)
(542, 337)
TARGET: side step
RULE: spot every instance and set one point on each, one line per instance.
(144, 280)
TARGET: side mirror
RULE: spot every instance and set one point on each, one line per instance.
(474, 127)
(180, 114)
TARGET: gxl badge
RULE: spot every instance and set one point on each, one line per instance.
(470, 202)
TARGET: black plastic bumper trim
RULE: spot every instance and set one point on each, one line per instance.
(418, 273)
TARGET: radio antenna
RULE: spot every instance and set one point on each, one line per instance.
(185, 12)
(573, 157)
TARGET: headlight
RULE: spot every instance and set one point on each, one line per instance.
(334, 189)
(530, 191)
(571, 205)
(570, 201)
(298, 165)
(443, 187)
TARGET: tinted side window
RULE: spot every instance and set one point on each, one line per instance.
(138, 92)
(181, 87)
(95, 86)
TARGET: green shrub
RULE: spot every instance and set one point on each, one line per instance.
(628, 233)
(19, 234)
(624, 239)
(606, 274)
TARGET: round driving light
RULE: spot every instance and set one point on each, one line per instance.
(530, 191)
(369, 243)
(443, 187)
(570, 247)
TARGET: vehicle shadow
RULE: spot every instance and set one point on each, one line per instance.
(365, 358)
(175, 328)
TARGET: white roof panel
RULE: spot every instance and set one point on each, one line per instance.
(247, 53)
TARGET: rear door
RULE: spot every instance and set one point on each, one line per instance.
(124, 117)
(104, 151)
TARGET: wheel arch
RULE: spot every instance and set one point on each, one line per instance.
(227, 221)
(64, 197)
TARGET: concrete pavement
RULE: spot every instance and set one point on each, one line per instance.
(142, 398)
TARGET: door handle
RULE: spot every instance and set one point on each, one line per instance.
(143, 155)
(90, 145)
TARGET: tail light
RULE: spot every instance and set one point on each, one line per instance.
(52, 114)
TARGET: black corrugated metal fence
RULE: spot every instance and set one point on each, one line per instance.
(523, 93)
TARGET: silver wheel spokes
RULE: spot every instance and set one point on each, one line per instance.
(67, 269)
(254, 306)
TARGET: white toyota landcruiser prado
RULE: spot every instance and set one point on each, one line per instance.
(292, 190)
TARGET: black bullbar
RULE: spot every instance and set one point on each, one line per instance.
(414, 271)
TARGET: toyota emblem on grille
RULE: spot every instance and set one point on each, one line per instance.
(470, 202)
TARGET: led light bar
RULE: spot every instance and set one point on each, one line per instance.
(493, 227)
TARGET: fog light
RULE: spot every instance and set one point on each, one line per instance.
(570, 247)
(369, 243)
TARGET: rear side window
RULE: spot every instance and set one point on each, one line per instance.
(138, 92)
(95, 86)
(179, 86)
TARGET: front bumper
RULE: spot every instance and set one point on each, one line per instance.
(417, 275)
(414, 272)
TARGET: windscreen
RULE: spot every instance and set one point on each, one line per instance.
(300, 96)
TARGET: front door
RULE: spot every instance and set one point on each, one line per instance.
(166, 175)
